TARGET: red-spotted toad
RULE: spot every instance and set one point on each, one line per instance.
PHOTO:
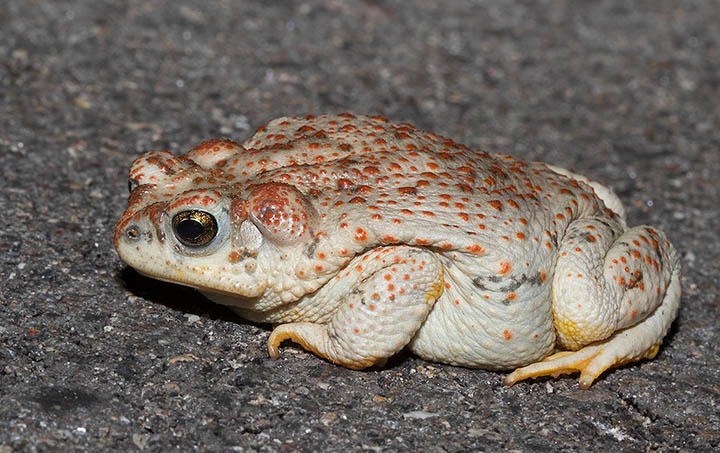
(357, 237)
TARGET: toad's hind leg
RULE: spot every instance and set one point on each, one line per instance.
(385, 296)
(609, 308)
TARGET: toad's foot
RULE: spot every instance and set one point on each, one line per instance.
(386, 297)
(590, 361)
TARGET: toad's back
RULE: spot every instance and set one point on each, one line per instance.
(386, 183)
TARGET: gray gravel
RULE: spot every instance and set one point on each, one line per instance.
(94, 356)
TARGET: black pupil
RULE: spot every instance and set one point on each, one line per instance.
(190, 229)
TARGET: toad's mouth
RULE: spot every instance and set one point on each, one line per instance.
(214, 294)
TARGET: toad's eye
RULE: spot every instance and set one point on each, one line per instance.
(194, 228)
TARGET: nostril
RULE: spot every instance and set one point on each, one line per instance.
(132, 184)
(132, 233)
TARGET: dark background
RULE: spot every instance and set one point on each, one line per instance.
(94, 356)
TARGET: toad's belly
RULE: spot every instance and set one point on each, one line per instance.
(475, 326)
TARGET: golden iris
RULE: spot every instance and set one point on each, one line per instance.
(194, 228)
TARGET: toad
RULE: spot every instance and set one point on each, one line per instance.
(357, 237)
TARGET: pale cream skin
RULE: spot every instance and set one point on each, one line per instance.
(358, 237)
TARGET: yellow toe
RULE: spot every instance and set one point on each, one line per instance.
(565, 362)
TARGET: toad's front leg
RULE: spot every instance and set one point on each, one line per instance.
(384, 297)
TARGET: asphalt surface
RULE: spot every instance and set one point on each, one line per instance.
(94, 356)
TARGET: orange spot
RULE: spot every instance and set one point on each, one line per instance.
(505, 267)
(234, 257)
(476, 249)
(507, 334)
(360, 234)
(407, 191)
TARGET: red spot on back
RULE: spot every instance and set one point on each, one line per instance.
(407, 191)
(360, 235)
(505, 267)
(475, 249)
